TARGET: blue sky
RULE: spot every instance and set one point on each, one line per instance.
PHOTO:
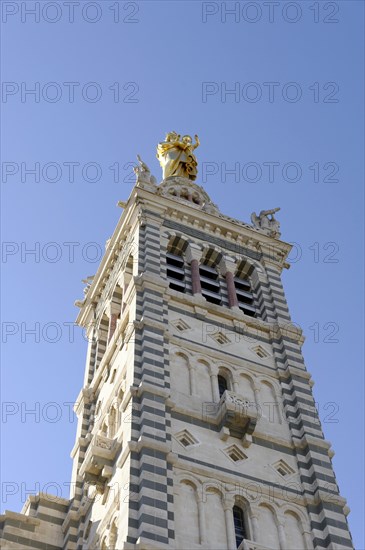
(297, 72)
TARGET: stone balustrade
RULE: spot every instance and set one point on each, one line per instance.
(99, 457)
(238, 414)
(251, 545)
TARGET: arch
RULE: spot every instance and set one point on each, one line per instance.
(120, 397)
(104, 428)
(213, 486)
(196, 198)
(202, 359)
(239, 524)
(246, 386)
(114, 309)
(260, 299)
(225, 380)
(177, 244)
(298, 511)
(294, 532)
(120, 392)
(97, 410)
(184, 193)
(210, 280)
(244, 506)
(245, 268)
(245, 288)
(175, 263)
(183, 355)
(101, 339)
(179, 187)
(212, 256)
(268, 527)
(117, 296)
(213, 507)
(112, 421)
(113, 535)
(186, 476)
(269, 402)
(187, 512)
(180, 373)
(222, 384)
(128, 271)
(202, 380)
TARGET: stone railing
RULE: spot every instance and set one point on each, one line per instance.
(103, 442)
(238, 414)
(99, 456)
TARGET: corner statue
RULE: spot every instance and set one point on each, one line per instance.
(270, 226)
(176, 156)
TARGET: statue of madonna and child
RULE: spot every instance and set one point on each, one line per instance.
(176, 156)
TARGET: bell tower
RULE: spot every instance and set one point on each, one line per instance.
(197, 428)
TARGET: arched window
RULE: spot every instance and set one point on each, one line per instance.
(242, 282)
(245, 296)
(102, 335)
(196, 198)
(176, 271)
(128, 275)
(222, 384)
(112, 422)
(239, 525)
(184, 194)
(104, 429)
(119, 406)
(128, 272)
(115, 310)
(113, 536)
(209, 280)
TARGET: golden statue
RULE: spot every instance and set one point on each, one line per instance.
(176, 156)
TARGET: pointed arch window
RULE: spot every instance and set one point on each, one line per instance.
(239, 525)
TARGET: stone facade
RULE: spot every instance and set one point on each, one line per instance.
(197, 425)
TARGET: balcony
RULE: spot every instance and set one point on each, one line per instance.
(251, 545)
(238, 414)
(99, 457)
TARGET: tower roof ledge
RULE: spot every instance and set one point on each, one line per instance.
(183, 189)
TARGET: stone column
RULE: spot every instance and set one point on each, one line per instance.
(228, 268)
(282, 535)
(112, 312)
(193, 256)
(192, 369)
(214, 382)
(113, 536)
(228, 514)
(256, 390)
(202, 530)
(308, 539)
(255, 527)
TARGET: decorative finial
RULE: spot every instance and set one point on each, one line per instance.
(176, 156)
